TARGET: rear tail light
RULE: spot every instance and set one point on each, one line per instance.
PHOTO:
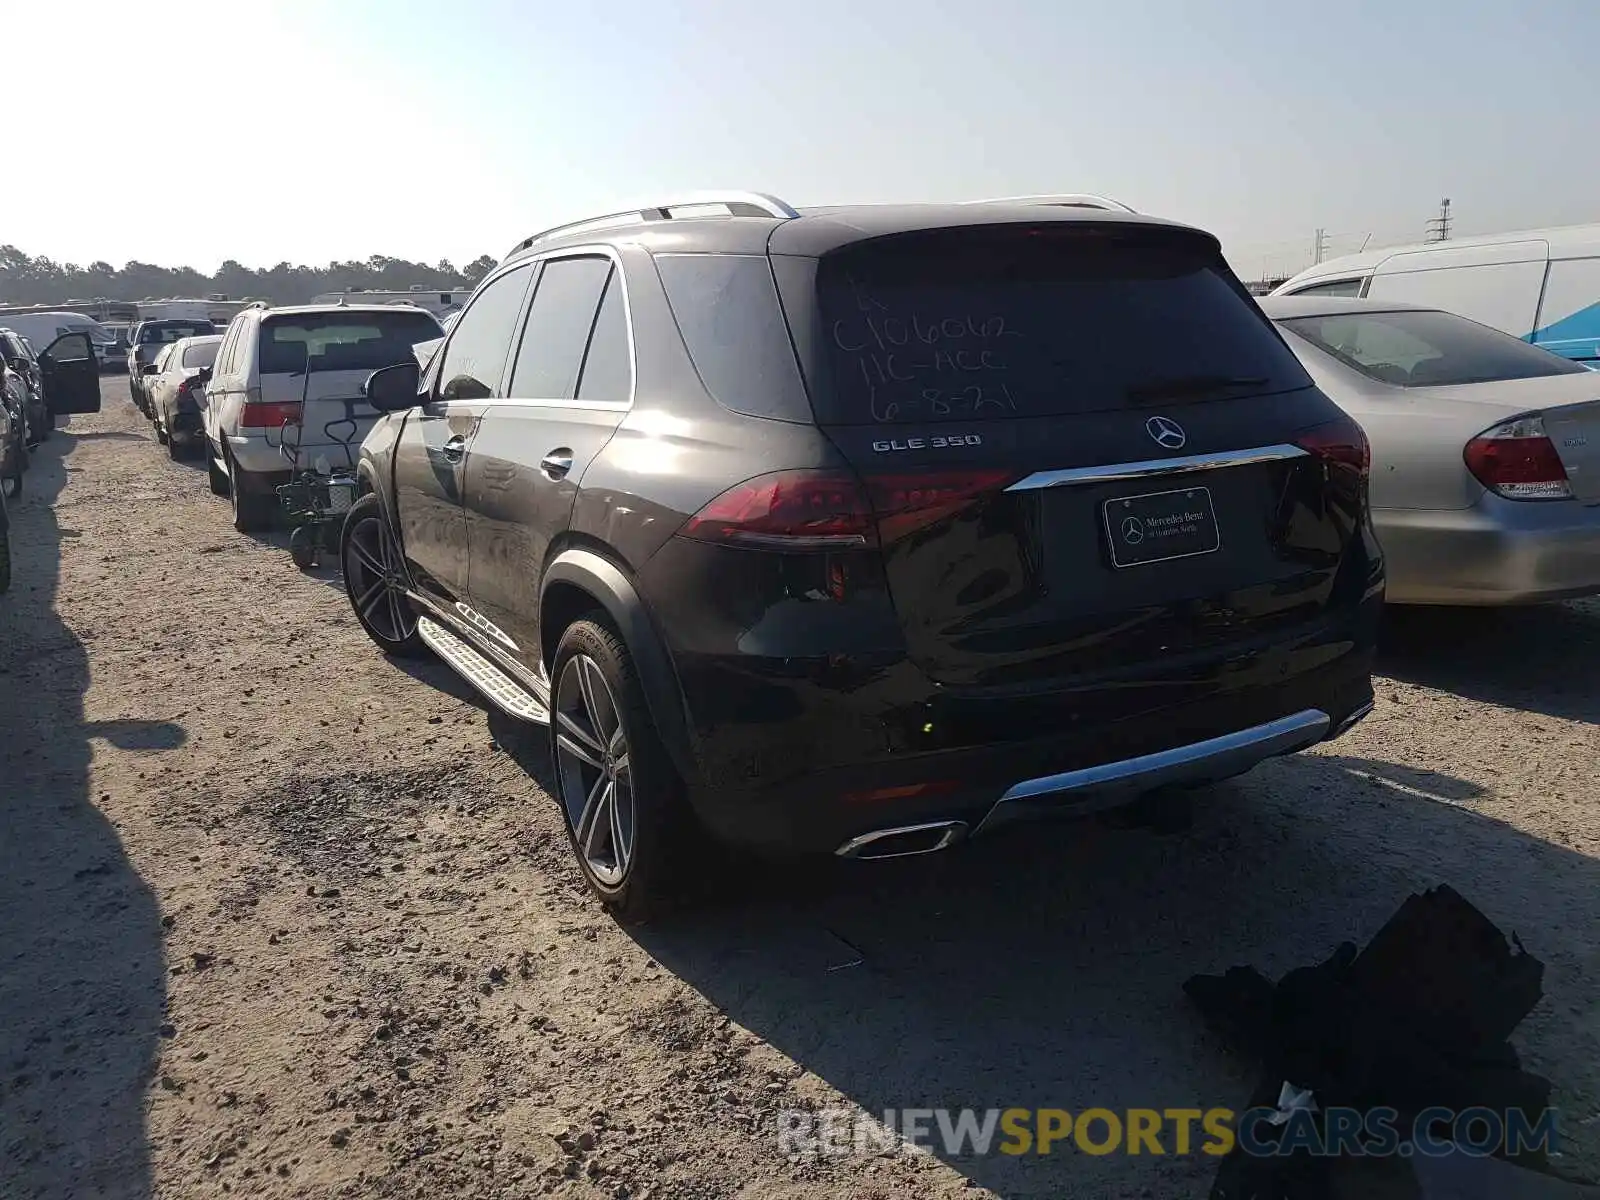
(259, 415)
(1517, 460)
(790, 510)
(907, 503)
(1340, 442)
(821, 510)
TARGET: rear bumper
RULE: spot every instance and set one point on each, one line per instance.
(1496, 552)
(185, 424)
(1074, 768)
(259, 454)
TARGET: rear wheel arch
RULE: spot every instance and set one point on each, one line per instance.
(579, 580)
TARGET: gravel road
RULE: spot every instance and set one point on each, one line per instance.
(279, 917)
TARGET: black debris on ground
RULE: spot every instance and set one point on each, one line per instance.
(1421, 1018)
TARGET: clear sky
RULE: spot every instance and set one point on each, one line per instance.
(310, 130)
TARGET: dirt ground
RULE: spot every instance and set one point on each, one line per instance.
(279, 917)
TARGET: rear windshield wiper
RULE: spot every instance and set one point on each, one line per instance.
(1186, 386)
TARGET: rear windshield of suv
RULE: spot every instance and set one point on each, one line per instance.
(172, 331)
(1427, 348)
(342, 341)
(1003, 322)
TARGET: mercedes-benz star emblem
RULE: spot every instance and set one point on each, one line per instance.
(1166, 433)
(1133, 531)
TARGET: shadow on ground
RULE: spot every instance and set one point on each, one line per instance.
(1044, 968)
(1544, 658)
(82, 985)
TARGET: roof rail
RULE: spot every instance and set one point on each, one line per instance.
(1071, 200)
(733, 204)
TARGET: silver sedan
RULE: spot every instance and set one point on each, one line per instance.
(1485, 449)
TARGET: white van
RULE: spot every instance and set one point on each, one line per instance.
(42, 328)
(1541, 285)
(295, 374)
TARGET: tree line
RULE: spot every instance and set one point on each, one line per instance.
(26, 279)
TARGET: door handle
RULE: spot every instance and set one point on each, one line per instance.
(454, 448)
(557, 463)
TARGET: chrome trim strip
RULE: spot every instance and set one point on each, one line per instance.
(953, 831)
(1227, 754)
(1153, 467)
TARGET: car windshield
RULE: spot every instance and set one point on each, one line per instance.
(1037, 322)
(358, 341)
(169, 331)
(1426, 348)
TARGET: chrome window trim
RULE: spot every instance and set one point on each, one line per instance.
(1151, 468)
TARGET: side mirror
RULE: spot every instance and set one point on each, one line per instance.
(203, 375)
(148, 369)
(393, 389)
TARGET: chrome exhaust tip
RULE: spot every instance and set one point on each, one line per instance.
(903, 841)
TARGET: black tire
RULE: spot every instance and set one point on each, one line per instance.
(303, 547)
(12, 488)
(217, 478)
(367, 550)
(666, 841)
(252, 512)
(162, 437)
(49, 421)
(178, 451)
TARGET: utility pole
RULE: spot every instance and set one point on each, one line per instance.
(1439, 227)
(1320, 247)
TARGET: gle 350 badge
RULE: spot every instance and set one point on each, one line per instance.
(951, 441)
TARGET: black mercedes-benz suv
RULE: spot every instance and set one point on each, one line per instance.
(860, 530)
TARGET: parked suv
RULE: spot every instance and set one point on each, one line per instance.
(864, 529)
(297, 373)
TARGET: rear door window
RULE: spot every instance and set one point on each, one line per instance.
(608, 364)
(342, 341)
(560, 321)
(1011, 322)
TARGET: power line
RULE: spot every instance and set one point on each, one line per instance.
(1439, 227)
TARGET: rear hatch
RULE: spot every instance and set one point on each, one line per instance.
(313, 366)
(1095, 464)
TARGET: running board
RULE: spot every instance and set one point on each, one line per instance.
(504, 692)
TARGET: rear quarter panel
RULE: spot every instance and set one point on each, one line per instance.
(1417, 440)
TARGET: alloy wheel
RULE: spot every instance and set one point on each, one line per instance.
(593, 769)
(373, 579)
